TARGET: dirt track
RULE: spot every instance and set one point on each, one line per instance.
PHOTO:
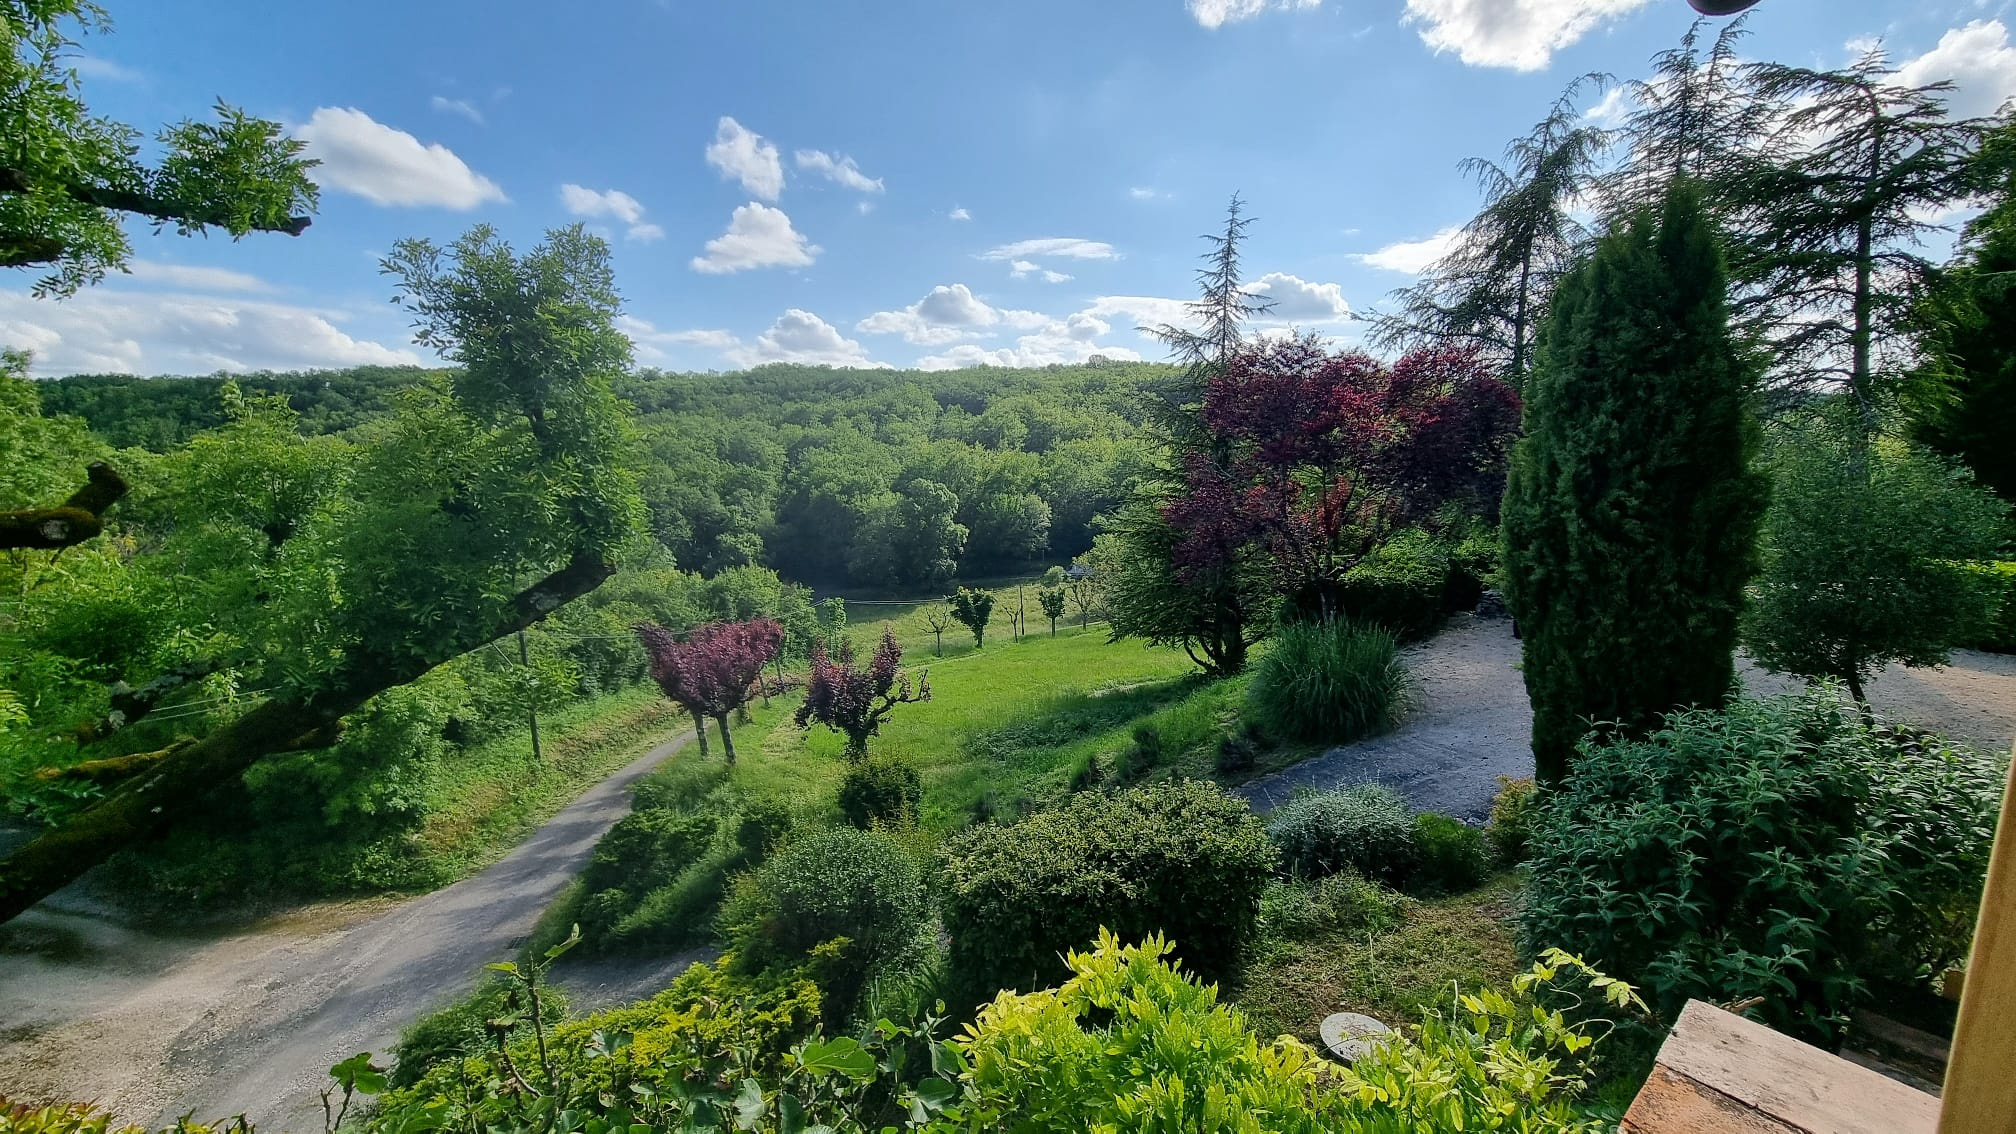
(153, 1026)
(1472, 723)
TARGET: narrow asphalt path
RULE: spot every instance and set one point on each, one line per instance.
(1472, 723)
(249, 1024)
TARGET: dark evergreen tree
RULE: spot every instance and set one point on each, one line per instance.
(1632, 513)
(1491, 289)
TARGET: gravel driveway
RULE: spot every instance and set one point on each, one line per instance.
(154, 1026)
(1472, 722)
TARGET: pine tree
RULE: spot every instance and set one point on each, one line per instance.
(1632, 514)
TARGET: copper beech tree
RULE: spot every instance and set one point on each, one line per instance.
(855, 701)
(714, 671)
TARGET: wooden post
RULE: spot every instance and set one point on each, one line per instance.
(1980, 1093)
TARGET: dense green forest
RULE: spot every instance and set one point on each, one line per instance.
(875, 478)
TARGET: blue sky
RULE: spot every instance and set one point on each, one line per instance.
(905, 182)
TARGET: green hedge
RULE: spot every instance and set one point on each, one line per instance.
(1403, 587)
(1184, 859)
(2001, 635)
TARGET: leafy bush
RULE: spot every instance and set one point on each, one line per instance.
(1448, 854)
(1345, 902)
(1367, 828)
(881, 790)
(1181, 858)
(2000, 634)
(1511, 823)
(86, 1118)
(1778, 850)
(463, 1028)
(1329, 681)
(1402, 587)
(1842, 598)
(839, 883)
(1102, 1052)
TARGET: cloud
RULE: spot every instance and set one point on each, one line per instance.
(461, 106)
(1976, 59)
(1520, 34)
(1140, 310)
(744, 156)
(650, 342)
(1144, 193)
(950, 312)
(959, 214)
(93, 67)
(387, 166)
(1412, 256)
(1069, 247)
(839, 169)
(758, 236)
(613, 204)
(1297, 300)
(1214, 14)
(1612, 109)
(107, 330)
(192, 278)
(800, 336)
(1023, 269)
(1069, 340)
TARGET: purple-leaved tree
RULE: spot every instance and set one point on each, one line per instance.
(855, 702)
(712, 672)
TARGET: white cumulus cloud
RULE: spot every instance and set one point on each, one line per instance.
(1140, 310)
(839, 169)
(959, 214)
(97, 67)
(387, 166)
(650, 342)
(758, 236)
(613, 204)
(800, 336)
(949, 313)
(1976, 59)
(1068, 340)
(1297, 300)
(743, 155)
(1412, 256)
(1217, 13)
(1520, 34)
(1068, 247)
(107, 330)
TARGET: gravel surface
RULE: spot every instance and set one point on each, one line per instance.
(1472, 722)
(153, 1026)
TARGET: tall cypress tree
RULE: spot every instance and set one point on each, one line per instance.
(1632, 513)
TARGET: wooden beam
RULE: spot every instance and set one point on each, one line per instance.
(1980, 1089)
(1716, 1065)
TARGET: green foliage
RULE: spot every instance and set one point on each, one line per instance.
(1215, 616)
(1448, 854)
(853, 888)
(72, 176)
(1346, 902)
(1780, 850)
(1334, 682)
(1128, 1043)
(1632, 510)
(86, 1118)
(468, 1027)
(1510, 827)
(1402, 587)
(1368, 829)
(1181, 858)
(2000, 580)
(971, 609)
(1860, 545)
(881, 791)
(1052, 599)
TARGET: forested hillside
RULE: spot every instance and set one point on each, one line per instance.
(867, 477)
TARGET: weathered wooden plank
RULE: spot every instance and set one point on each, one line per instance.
(1799, 1085)
(1981, 1076)
(1671, 1103)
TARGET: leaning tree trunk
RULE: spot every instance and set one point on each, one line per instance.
(147, 803)
(700, 730)
(71, 522)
